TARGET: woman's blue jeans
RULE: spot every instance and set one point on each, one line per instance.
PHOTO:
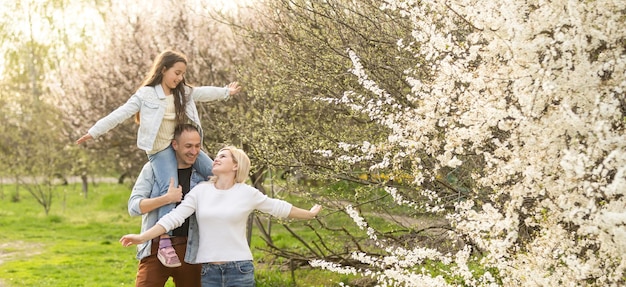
(229, 274)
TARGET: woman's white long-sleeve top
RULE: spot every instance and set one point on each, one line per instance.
(222, 216)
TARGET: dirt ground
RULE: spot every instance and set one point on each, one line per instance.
(11, 250)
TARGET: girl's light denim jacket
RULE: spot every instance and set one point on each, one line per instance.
(141, 190)
(150, 101)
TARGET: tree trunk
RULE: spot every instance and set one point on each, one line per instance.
(249, 228)
(85, 184)
(16, 196)
(120, 180)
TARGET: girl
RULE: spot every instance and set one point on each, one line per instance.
(221, 207)
(163, 101)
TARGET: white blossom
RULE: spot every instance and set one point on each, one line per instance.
(535, 90)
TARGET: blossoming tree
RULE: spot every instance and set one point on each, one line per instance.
(529, 98)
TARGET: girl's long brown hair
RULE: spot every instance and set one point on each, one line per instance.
(164, 61)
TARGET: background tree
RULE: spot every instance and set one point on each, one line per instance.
(36, 149)
(534, 92)
(115, 70)
(32, 147)
(301, 117)
(476, 88)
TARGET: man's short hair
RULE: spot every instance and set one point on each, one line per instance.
(184, 128)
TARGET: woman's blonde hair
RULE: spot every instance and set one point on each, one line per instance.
(243, 163)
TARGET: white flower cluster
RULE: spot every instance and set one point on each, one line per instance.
(398, 198)
(536, 89)
(324, 153)
(362, 224)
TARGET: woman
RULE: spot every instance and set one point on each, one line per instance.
(222, 206)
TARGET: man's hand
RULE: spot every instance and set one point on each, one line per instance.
(174, 194)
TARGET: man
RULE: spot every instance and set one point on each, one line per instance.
(151, 272)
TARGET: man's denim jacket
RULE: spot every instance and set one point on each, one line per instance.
(151, 102)
(141, 190)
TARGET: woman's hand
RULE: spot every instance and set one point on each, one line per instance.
(130, 239)
(84, 138)
(303, 213)
(315, 210)
(152, 232)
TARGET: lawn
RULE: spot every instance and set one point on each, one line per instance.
(76, 244)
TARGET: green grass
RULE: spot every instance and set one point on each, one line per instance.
(76, 244)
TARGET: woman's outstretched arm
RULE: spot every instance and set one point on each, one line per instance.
(153, 232)
(300, 213)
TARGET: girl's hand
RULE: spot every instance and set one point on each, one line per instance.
(130, 239)
(84, 138)
(234, 88)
